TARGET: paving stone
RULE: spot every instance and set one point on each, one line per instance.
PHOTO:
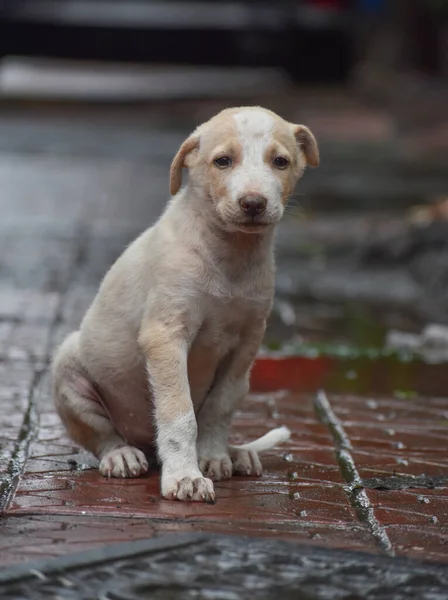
(433, 441)
(426, 508)
(406, 436)
(40, 536)
(16, 380)
(405, 411)
(399, 461)
(422, 543)
(409, 440)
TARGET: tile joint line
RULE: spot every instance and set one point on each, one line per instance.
(357, 494)
(30, 424)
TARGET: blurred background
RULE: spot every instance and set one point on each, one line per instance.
(96, 96)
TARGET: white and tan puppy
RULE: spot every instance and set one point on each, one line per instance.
(164, 353)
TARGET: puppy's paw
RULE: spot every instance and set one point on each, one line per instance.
(246, 462)
(216, 467)
(123, 462)
(187, 487)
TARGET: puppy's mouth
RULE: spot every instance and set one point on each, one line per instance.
(253, 226)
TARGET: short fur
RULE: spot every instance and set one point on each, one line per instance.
(172, 334)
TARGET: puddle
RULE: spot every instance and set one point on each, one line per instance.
(351, 324)
(343, 349)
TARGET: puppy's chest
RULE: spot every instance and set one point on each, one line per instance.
(226, 327)
(227, 321)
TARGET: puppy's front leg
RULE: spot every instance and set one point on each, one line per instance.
(215, 416)
(166, 352)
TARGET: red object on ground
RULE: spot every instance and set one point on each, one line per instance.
(295, 373)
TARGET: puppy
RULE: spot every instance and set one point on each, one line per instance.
(164, 353)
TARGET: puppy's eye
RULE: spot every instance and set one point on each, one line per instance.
(281, 162)
(223, 162)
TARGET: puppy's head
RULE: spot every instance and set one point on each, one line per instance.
(245, 163)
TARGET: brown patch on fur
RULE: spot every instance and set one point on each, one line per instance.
(216, 184)
(307, 143)
(78, 430)
(190, 144)
(219, 140)
(285, 144)
(164, 347)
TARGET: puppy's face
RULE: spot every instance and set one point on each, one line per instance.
(245, 162)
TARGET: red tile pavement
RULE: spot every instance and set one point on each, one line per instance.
(412, 507)
(391, 435)
(45, 536)
(421, 543)
(302, 495)
(408, 437)
(374, 464)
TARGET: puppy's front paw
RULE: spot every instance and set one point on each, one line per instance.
(123, 462)
(187, 487)
(216, 467)
(246, 462)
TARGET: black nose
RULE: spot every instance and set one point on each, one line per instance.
(253, 205)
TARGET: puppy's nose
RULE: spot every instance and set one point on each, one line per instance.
(253, 205)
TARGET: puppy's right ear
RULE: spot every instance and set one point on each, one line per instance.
(307, 144)
(179, 162)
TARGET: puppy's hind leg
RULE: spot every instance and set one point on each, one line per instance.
(81, 410)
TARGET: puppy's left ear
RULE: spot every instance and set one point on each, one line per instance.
(307, 144)
(179, 162)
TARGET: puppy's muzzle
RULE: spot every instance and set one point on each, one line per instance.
(253, 205)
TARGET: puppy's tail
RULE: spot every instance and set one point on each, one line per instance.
(267, 441)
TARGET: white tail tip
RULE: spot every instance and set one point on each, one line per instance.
(269, 440)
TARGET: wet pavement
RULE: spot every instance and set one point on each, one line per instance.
(200, 566)
(318, 489)
(76, 187)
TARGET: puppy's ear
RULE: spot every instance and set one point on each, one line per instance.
(179, 162)
(307, 144)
